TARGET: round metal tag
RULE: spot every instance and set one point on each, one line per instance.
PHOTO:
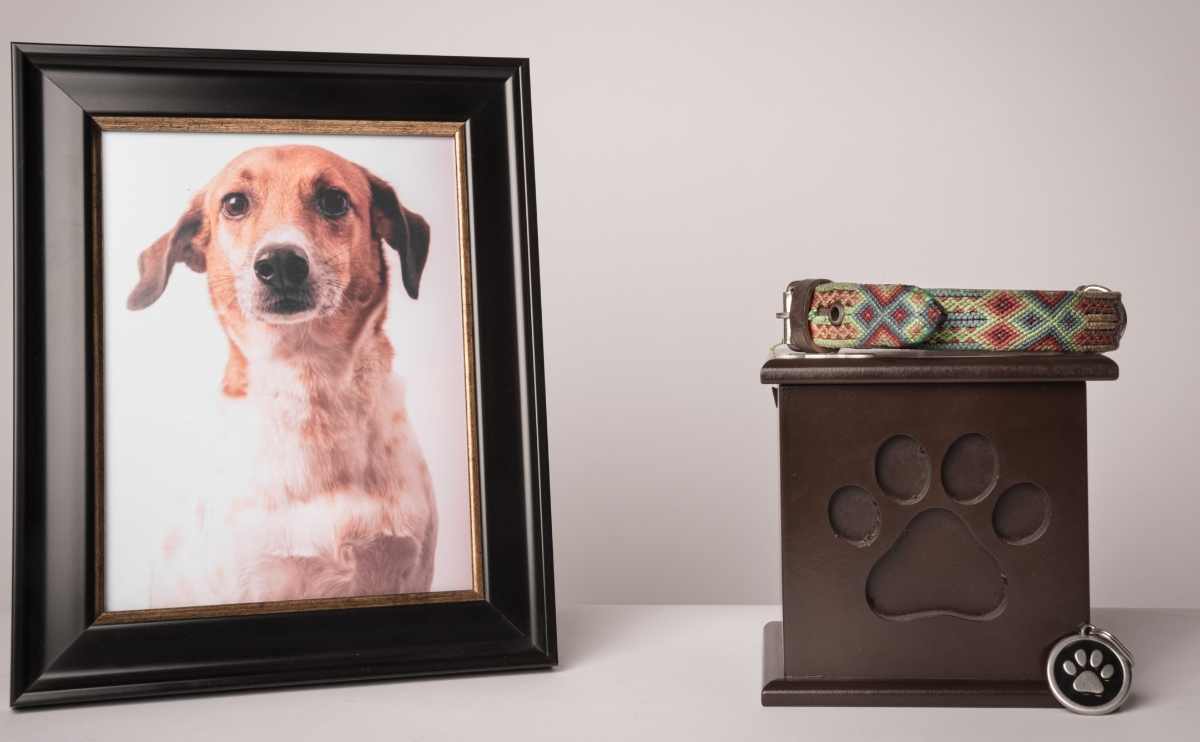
(1090, 672)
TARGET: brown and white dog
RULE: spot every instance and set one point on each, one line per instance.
(292, 242)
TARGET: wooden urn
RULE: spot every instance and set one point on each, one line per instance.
(934, 526)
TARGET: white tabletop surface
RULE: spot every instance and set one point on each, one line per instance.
(638, 672)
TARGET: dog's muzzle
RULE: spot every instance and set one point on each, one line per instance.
(284, 269)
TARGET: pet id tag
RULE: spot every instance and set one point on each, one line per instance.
(1090, 672)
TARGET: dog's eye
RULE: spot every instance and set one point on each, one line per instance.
(235, 205)
(332, 203)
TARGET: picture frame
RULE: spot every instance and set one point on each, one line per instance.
(68, 644)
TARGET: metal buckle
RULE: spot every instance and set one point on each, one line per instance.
(1094, 287)
(786, 315)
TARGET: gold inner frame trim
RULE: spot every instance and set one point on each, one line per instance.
(278, 126)
(196, 125)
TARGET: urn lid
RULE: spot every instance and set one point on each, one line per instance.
(890, 367)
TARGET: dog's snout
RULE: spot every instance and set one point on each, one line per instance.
(282, 267)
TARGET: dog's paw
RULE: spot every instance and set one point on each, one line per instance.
(383, 564)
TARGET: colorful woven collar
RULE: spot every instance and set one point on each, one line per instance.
(823, 316)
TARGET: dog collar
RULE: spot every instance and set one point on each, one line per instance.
(821, 316)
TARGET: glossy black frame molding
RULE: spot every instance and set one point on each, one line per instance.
(59, 654)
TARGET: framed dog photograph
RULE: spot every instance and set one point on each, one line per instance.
(279, 416)
(326, 325)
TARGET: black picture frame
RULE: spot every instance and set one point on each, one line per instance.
(60, 654)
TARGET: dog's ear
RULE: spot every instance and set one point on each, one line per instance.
(406, 231)
(183, 244)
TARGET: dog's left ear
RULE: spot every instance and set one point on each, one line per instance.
(183, 244)
(406, 231)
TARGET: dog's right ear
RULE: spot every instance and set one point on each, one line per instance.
(405, 231)
(183, 244)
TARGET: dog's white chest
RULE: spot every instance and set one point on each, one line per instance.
(279, 495)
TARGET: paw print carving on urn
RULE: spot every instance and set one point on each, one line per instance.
(939, 563)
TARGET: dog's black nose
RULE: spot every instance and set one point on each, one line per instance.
(281, 268)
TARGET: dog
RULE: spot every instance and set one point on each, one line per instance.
(292, 241)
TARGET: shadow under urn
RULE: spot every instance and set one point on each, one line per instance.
(934, 527)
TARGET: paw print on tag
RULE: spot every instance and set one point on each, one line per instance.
(1089, 674)
(945, 561)
(1083, 667)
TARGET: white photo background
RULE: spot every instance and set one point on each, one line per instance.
(169, 437)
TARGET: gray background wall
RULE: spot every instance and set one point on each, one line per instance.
(693, 157)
